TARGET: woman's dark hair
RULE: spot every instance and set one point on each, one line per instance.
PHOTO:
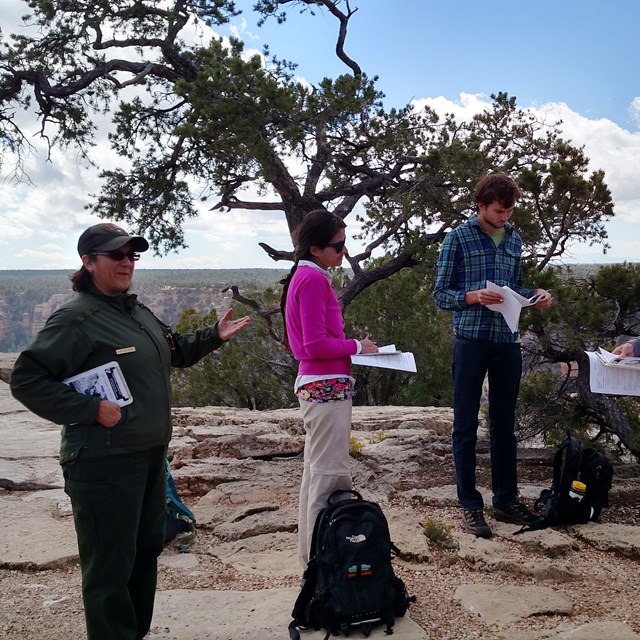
(81, 279)
(497, 187)
(317, 229)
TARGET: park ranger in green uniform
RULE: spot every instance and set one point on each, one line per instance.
(114, 443)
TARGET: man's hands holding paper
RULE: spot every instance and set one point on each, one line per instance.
(487, 297)
(483, 296)
(545, 299)
(508, 302)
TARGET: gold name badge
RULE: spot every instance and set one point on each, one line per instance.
(119, 352)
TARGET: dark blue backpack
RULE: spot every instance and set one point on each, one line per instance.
(349, 582)
(181, 523)
(562, 504)
(580, 487)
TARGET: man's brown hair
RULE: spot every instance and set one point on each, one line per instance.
(497, 187)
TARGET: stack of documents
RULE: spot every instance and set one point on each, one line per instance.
(614, 375)
(387, 357)
(612, 360)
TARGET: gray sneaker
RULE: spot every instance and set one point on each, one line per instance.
(473, 521)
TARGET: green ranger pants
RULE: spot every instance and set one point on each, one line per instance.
(119, 510)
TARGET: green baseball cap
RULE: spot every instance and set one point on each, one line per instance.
(107, 236)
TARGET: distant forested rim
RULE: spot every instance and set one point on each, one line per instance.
(32, 278)
(28, 279)
(596, 305)
(29, 297)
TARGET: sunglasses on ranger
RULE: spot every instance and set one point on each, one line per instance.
(338, 246)
(118, 256)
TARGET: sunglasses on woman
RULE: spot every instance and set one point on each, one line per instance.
(118, 256)
(338, 246)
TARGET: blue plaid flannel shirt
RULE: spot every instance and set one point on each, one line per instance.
(468, 258)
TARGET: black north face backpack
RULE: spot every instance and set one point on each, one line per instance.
(349, 582)
(580, 488)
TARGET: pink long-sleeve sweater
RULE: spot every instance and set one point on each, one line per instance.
(315, 327)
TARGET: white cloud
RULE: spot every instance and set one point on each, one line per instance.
(634, 110)
(42, 253)
(240, 31)
(468, 106)
(241, 224)
(608, 146)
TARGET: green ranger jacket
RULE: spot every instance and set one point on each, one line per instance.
(92, 330)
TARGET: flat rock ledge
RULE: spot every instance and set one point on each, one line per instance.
(250, 615)
(240, 472)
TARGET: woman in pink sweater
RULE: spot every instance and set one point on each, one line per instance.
(314, 329)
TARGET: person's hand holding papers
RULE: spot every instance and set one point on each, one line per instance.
(368, 346)
(494, 295)
(387, 357)
(612, 374)
(625, 350)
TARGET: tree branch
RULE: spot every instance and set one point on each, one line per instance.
(342, 34)
(277, 254)
(267, 313)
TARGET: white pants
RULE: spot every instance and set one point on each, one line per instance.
(326, 463)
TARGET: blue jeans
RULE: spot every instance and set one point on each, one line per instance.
(472, 360)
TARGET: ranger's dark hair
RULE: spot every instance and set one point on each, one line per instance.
(82, 280)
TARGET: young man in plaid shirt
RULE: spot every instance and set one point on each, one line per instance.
(486, 247)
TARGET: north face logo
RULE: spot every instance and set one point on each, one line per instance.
(356, 539)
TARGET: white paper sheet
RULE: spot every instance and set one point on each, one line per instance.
(617, 381)
(611, 360)
(511, 306)
(387, 357)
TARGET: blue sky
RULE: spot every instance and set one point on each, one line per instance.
(582, 52)
(564, 59)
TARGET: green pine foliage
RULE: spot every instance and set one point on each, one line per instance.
(251, 370)
(400, 311)
(593, 308)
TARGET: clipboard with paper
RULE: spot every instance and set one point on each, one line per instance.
(106, 381)
(613, 360)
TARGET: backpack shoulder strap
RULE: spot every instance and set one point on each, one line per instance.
(540, 523)
(580, 460)
(568, 462)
